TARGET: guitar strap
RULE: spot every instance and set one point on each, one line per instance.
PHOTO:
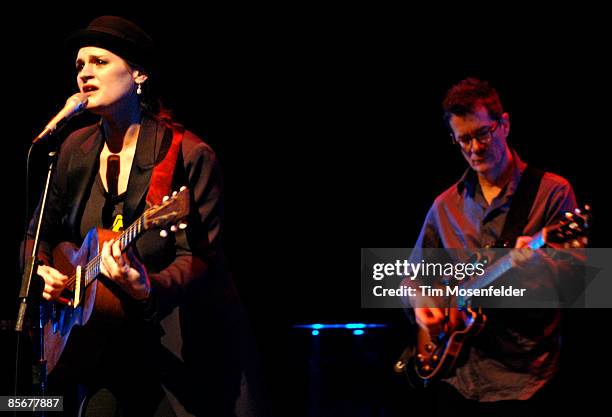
(161, 178)
(521, 204)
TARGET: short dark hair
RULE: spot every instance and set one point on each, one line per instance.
(463, 98)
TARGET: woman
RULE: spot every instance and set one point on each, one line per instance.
(104, 179)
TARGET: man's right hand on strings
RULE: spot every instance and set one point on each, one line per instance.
(430, 319)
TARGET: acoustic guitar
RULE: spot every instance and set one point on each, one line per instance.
(84, 292)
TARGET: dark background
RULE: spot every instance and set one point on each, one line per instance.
(328, 128)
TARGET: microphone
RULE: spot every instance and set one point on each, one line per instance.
(74, 105)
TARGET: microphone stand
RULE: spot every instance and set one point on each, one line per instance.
(26, 294)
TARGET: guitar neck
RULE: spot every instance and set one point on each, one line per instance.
(501, 266)
(126, 239)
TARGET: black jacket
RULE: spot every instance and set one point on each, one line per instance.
(187, 270)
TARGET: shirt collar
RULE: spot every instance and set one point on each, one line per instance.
(469, 179)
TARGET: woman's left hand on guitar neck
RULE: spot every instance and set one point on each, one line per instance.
(125, 270)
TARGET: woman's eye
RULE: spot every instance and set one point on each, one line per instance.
(100, 62)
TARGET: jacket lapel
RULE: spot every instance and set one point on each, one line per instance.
(150, 140)
(82, 166)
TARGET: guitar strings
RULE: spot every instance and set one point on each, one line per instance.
(125, 238)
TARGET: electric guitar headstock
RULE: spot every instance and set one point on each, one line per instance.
(571, 232)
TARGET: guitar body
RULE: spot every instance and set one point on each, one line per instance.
(434, 359)
(97, 301)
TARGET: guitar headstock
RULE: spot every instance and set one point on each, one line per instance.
(571, 232)
(170, 212)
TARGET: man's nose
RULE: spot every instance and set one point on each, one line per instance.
(476, 146)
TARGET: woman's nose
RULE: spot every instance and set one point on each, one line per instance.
(85, 73)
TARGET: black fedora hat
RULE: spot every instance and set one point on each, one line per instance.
(118, 35)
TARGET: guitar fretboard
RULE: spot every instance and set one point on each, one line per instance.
(127, 237)
(501, 266)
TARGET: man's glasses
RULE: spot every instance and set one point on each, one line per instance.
(484, 135)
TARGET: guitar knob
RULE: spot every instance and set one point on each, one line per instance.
(165, 199)
(429, 347)
(420, 357)
(435, 358)
(427, 368)
(173, 228)
(163, 233)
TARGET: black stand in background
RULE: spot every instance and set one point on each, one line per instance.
(30, 292)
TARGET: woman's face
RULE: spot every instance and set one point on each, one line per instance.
(106, 79)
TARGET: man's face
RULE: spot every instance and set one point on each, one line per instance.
(482, 140)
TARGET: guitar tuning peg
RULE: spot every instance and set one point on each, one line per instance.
(182, 225)
(163, 233)
(568, 215)
(165, 199)
(173, 228)
(183, 188)
(174, 193)
(577, 211)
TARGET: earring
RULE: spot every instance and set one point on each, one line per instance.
(139, 89)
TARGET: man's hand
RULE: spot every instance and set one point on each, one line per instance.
(430, 319)
(125, 270)
(536, 268)
(522, 255)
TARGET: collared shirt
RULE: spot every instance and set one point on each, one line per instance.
(518, 351)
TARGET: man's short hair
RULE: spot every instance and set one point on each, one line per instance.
(463, 98)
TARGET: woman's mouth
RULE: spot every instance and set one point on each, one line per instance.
(87, 89)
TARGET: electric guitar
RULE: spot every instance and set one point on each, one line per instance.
(432, 359)
(85, 294)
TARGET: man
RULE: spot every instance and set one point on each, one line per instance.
(517, 354)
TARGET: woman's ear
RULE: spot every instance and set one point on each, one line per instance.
(140, 77)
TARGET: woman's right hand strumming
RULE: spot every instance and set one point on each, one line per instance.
(55, 282)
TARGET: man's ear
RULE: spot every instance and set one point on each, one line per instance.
(505, 118)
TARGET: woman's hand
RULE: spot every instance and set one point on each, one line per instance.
(125, 270)
(55, 282)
